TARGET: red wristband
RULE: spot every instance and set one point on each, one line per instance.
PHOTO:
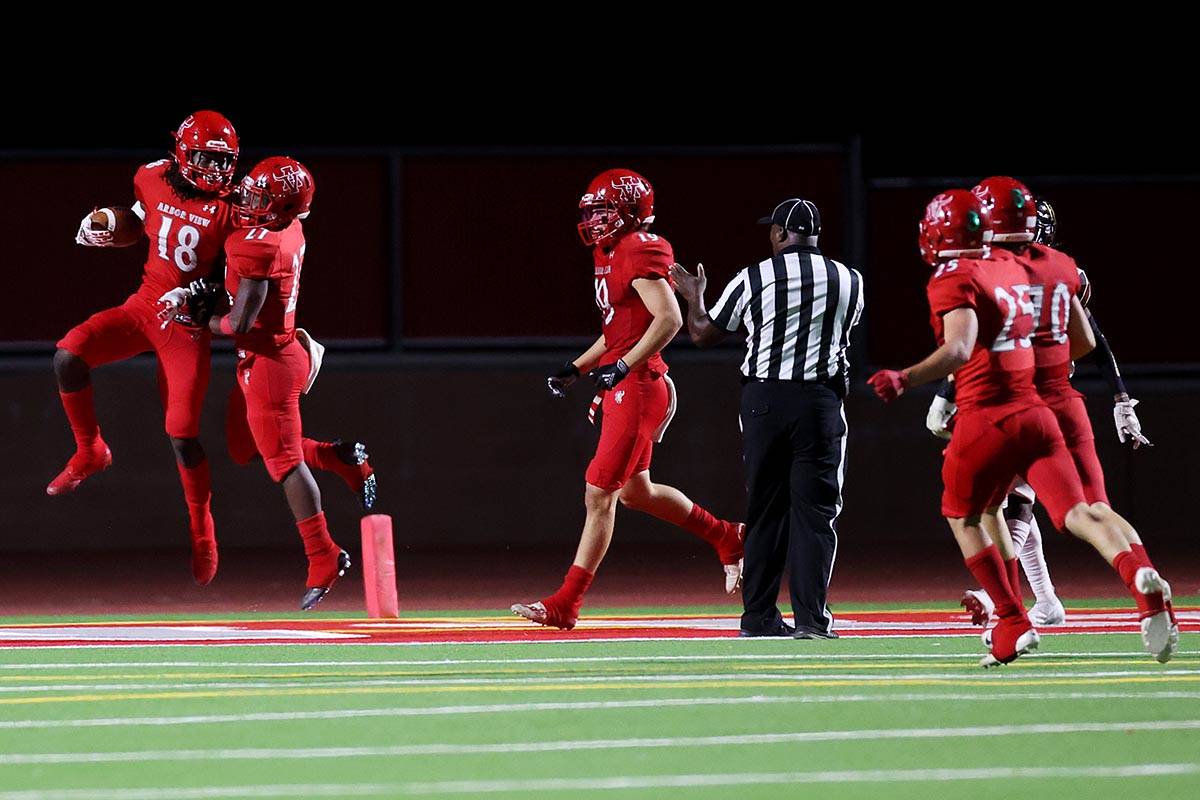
(225, 327)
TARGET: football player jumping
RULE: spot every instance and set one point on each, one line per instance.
(182, 210)
(639, 316)
(276, 361)
(1018, 507)
(983, 314)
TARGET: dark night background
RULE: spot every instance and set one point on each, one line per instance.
(445, 271)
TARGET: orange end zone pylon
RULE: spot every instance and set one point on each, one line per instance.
(379, 567)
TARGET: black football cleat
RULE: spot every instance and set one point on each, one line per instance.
(355, 469)
(315, 594)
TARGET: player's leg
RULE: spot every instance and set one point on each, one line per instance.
(977, 468)
(349, 461)
(1027, 538)
(184, 357)
(561, 609)
(273, 413)
(1054, 476)
(239, 439)
(655, 409)
(673, 506)
(621, 448)
(110, 335)
(1077, 431)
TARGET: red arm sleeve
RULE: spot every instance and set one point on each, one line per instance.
(250, 258)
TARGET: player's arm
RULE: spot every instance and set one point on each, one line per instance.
(1104, 358)
(700, 326)
(1129, 427)
(569, 372)
(961, 329)
(252, 293)
(1079, 331)
(660, 301)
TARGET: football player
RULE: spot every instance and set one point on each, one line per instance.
(1018, 506)
(276, 361)
(1055, 291)
(639, 316)
(983, 318)
(181, 208)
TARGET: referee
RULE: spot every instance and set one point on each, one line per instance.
(798, 308)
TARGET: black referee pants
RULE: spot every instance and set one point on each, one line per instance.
(795, 446)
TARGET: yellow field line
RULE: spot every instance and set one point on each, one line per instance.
(578, 687)
(499, 616)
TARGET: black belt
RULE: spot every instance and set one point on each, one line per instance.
(818, 382)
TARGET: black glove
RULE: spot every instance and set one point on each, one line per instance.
(608, 376)
(203, 297)
(559, 381)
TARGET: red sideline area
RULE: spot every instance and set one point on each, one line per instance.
(497, 629)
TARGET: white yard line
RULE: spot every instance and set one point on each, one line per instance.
(581, 745)
(596, 705)
(418, 662)
(608, 784)
(974, 675)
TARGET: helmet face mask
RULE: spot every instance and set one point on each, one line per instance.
(616, 202)
(206, 151)
(1047, 224)
(275, 192)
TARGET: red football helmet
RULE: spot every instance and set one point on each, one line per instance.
(206, 149)
(278, 190)
(1011, 206)
(617, 201)
(955, 225)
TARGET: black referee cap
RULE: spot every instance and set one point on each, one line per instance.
(796, 215)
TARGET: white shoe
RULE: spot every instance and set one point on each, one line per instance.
(986, 638)
(979, 605)
(1048, 612)
(733, 577)
(534, 612)
(1160, 634)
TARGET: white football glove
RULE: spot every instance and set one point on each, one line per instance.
(941, 412)
(1128, 424)
(173, 304)
(88, 237)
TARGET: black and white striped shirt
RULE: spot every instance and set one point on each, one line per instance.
(798, 309)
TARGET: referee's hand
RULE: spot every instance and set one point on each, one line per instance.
(690, 287)
(888, 384)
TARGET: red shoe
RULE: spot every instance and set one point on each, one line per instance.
(353, 467)
(322, 574)
(82, 465)
(1010, 640)
(546, 612)
(204, 552)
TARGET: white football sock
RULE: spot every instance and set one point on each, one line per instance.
(1033, 561)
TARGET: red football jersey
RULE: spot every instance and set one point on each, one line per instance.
(275, 256)
(1000, 370)
(623, 315)
(185, 235)
(1053, 279)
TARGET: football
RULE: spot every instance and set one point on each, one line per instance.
(126, 228)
